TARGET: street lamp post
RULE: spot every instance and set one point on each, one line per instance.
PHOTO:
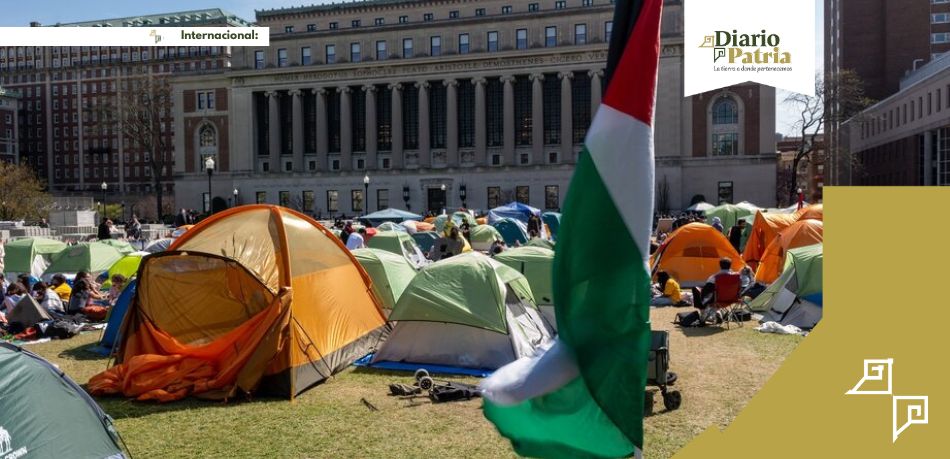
(235, 193)
(365, 194)
(209, 166)
(104, 187)
(463, 193)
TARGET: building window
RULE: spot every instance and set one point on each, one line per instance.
(307, 198)
(725, 144)
(384, 120)
(523, 118)
(427, 17)
(552, 157)
(522, 195)
(334, 25)
(410, 117)
(333, 121)
(333, 201)
(335, 164)
(311, 165)
(356, 198)
(552, 109)
(466, 114)
(506, 9)
(492, 42)
(494, 197)
(282, 57)
(725, 192)
(260, 197)
(406, 48)
(587, 2)
(358, 120)
(550, 36)
(289, 29)
(382, 199)
(403, 19)
(454, 14)
(437, 118)
(532, 7)
(360, 164)
(258, 59)
(305, 58)
(560, 4)
(479, 11)
(355, 23)
(379, 21)
(331, 54)
(311, 27)
(580, 102)
(608, 30)
(552, 197)
(521, 38)
(524, 159)
(725, 111)
(940, 37)
(939, 18)
(494, 112)
(380, 50)
(463, 43)
(283, 198)
(435, 45)
(580, 34)
(355, 52)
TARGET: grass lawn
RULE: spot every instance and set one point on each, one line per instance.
(719, 371)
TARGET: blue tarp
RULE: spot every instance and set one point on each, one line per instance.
(389, 215)
(512, 230)
(553, 220)
(514, 210)
(116, 315)
(434, 369)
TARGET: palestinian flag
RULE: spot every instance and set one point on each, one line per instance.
(584, 396)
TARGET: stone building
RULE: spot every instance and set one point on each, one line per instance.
(9, 151)
(443, 103)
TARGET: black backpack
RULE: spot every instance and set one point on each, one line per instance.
(688, 319)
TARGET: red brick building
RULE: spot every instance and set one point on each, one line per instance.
(8, 125)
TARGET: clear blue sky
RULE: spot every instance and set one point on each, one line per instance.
(20, 13)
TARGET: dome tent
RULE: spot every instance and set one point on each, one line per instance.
(795, 298)
(92, 257)
(798, 234)
(390, 273)
(691, 254)
(765, 228)
(30, 255)
(46, 414)
(514, 232)
(399, 243)
(729, 214)
(482, 237)
(467, 311)
(537, 265)
(389, 215)
(256, 298)
(458, 218)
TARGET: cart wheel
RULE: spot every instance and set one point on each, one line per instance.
(648, 404)
(672, 400)
(426, 383)
(421, 373)
(670, 378)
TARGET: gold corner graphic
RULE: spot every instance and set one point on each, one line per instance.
(876, 372)
(707, 41)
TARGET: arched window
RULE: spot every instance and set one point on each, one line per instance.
(725, 111)
(206, 136)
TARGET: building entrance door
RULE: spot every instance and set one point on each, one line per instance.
(436, 200)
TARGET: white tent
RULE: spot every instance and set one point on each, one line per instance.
(701, 206)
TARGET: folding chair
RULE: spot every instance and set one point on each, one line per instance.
(728, 301)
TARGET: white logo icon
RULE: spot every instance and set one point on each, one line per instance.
(6, 443)
(877, 379)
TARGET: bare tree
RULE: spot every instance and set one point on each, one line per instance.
(846, 90)
(141, 113)
(663, 196)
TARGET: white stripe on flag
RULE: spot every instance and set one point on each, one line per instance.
(622, 149)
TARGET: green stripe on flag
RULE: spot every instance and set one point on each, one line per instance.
(602, 296)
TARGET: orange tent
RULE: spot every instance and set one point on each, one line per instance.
(254, 299)
(764, 229)
(691, 254)
(812, 212)
(799, 234)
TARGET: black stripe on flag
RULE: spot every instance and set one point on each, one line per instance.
(626, 13)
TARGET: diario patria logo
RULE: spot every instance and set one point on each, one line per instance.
(6, 446)
(761, 50)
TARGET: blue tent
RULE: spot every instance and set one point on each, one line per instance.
(425, 240)
(116, 315)
(553, 220)
(389, 215)
(514, 210)
(512, 230)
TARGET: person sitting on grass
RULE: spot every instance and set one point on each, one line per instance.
(61, 287)
(90, 283)
(118, 283)
(47, 298)
(667, 292)
(14, 292)
(81, 296)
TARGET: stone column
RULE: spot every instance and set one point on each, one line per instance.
(537, 119)
(398, 161)
(346, 129)
(595, 90)
(567, 118)
(481, 134)
(323, 138)
(425, 149)
(371, 162)
(509, 120)
(273, 108)
(297, 94)
(451, 122)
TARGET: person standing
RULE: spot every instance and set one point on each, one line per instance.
(357, 239)
(735, 235)
(717, 223)
(103, 233)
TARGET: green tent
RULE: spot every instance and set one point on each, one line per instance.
(539, 242)
(46, 414)
(466, 311)
(20, 256)
(536, 264)
(399, 243)
(749, 221)
(93, 257)
(458, 218)
(795, 298)
(122, 246)
(127, 266)
(482, 236)
(391, 273)
(553, 220)
(425, 240)
(729, 214)
(390, 226)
